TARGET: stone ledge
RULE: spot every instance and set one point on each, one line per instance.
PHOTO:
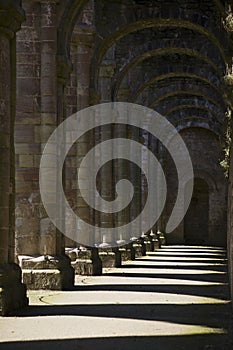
(52, 279)
(47, 272)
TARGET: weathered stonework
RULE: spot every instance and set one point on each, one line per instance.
(12, 291)
(110, 257)
(47, 272)
(205, 152)
(39, 80)
(85, 261)
(169, 56)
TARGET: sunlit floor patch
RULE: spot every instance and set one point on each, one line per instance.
(174, 294)
(62, 327)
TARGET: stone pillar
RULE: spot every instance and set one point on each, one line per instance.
(46, 266)
(12, 291)
(27, 132)
(85, 260)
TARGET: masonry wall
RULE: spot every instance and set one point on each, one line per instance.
(206, 154)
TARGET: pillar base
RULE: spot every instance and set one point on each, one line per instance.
(149, 246)
(156, 241)
(85, 261)
(87, 267)
(127, 252)
(12, 291)
(162, 239)
(47, 272)
(156, 244)
(111, 257)
(140, 248)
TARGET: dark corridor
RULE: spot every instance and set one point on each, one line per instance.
(197, 217)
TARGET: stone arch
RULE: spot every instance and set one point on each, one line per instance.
(148, 23)
(208, 178)
(185, 111)
(182, 92)
(197, 122)
(156, 79)
(193, 101)
(162, 51)
(69, 13)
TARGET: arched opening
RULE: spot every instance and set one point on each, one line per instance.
(196, 221)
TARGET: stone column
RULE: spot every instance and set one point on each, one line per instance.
(12, 291)
(47, 266)
(85, 260)
(109, 256)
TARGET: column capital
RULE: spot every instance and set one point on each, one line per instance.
(11, 16)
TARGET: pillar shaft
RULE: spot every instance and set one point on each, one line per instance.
(5, 114)
(10, 19)
(48, 87)
(12, 291)
(46, 266)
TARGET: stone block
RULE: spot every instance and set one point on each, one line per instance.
(28, 70)
(24, 133)
(12, 291)
(26, 118)
(87, 267)
(43, 132)
(127, 253)
(72, 253)
(139, 249)
(23, 187)
(26, 161)
(110, 257)
(85, 261)
(27, 148)
(36, 160)
(42, 279)
(149, 245)
(28, 86)
(47, 272)
(48, 118)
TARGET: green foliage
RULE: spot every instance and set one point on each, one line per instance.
(227, 143)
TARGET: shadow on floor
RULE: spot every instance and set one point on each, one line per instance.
(217, 315)
(192, 342)
(182, 261)
(219, 267)
(208, 315)
(216, 291)
(184, 254)
(207, 277)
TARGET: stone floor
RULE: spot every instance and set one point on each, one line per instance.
(176, 298)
